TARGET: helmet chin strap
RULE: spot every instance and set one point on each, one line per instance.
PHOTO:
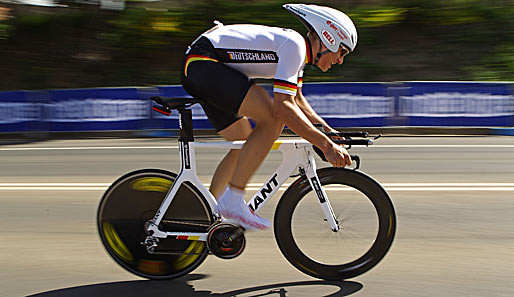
(320, 54)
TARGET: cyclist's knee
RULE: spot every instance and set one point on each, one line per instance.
(272, 125)
(239, 130)
(278, 126)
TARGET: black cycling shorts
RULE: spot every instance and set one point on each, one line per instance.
(221, 88)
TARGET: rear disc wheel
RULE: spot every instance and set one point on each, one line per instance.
(127, 207)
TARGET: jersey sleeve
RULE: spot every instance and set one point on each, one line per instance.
(300, 77)
(291, 58)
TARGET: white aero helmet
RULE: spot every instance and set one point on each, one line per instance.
(333, 27)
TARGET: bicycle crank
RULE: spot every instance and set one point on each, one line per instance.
(226, 241)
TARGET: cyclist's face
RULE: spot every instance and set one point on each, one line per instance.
(326, 61)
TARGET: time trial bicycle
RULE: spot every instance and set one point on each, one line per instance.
(330, 223)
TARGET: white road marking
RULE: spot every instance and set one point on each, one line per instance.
(54, 184)
(86, 148)
(443, 146)
(7, 188)
(459, 146)
(448, 184)
(420, 187)
(437, 189)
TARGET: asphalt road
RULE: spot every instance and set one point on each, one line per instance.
(454, 198)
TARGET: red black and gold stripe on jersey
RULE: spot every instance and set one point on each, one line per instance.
(308, 52)
(193, 58)
(283, 86)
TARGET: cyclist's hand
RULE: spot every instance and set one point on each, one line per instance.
(335, 137)
(333, 134)
(337, 156)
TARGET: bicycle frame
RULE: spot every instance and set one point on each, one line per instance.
(296, 154)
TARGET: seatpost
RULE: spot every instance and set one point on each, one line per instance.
(186, 125)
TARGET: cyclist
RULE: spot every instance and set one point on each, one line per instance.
(218, 68)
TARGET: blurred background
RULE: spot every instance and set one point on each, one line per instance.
(453, 195)
(97, 43)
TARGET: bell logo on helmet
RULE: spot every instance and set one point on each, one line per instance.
(328, 37)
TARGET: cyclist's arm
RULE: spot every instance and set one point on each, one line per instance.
(309, 111)
(287, 110)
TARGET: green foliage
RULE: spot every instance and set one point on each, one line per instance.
(4, 31)
(144, 44)
(498, 66)
(377, 16)
(153, 28)
(141, 28)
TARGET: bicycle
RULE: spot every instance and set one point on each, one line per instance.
(160, 225)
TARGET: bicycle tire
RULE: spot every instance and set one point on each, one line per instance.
(134, 199)
(288, 234)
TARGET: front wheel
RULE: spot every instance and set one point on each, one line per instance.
(364, 213)
(131, 202)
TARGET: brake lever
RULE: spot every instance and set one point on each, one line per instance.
(357, 160)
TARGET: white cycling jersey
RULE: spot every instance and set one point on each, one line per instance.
(263, 52)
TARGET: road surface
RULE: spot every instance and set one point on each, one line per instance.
(454, 198)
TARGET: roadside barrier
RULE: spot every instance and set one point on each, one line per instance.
(399, 104)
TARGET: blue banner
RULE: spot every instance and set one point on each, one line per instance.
(351, 104)
(97, 109)
(21, 111)
(457, 104)
(341, 105)
(430, 104)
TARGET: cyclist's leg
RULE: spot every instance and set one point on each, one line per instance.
(224, 90)
(229, 94)
(258, 106)
(239, 130)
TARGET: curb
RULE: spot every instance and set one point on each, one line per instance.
(503, 131)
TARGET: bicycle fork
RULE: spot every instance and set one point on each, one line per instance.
(310, 173)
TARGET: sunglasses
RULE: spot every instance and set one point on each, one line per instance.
(344, 51)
